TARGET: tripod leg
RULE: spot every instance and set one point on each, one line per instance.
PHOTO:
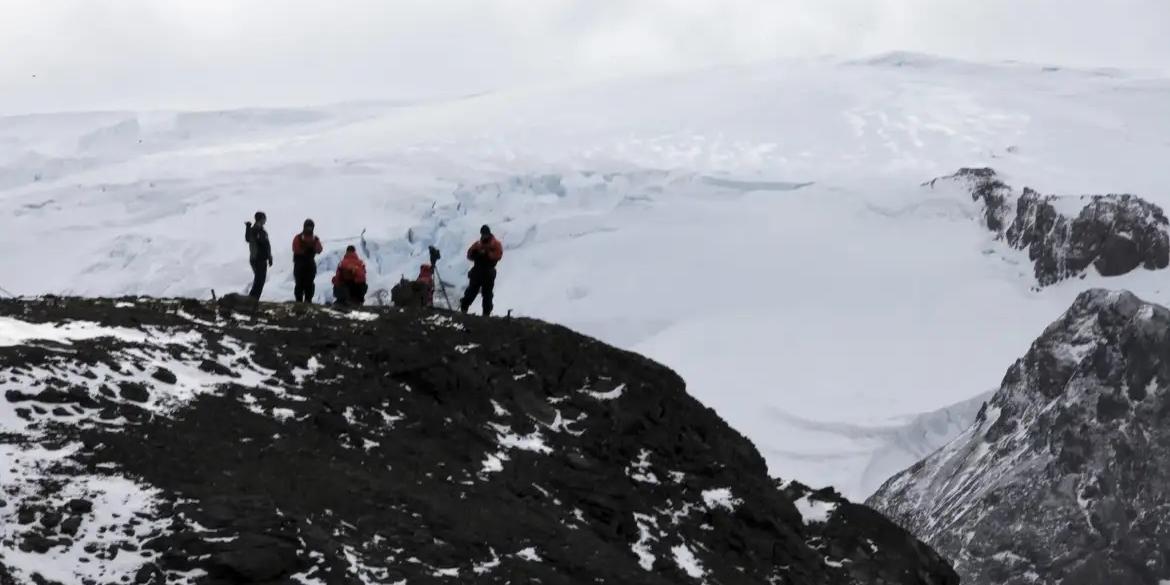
(439, 279)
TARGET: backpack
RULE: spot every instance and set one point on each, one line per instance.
(409, 293)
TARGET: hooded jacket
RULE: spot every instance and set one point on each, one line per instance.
(485, 254)
(351, 270)
(305, 252)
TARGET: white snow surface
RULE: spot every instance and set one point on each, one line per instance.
(18, 332)
(760, 229)
(685, 559)
(720, 498)
(814, 510)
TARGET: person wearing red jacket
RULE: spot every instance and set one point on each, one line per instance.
(484, 254)
(349, 283)
(305, 247)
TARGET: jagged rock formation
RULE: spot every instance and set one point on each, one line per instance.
(1065, 476)
(170, 442)
(1064, 236)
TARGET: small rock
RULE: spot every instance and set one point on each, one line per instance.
(50, 519)
(35, 543)
(164, 375)
(71, 525)
(134, 392)
(16, 396)
(212, 367)
(79, 506)
(258, 558)
(26, 516)
(148, 574)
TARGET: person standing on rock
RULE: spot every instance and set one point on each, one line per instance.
(305, 247)
(259, 252)
(349, 283)
(484, 254)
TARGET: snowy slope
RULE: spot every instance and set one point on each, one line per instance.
(169, 442)
(762, 230)
(1062, 477)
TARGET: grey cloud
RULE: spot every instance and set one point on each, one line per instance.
(88, 54)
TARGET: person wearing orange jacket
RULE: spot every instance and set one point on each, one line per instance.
(349, 283)
(484, 254)
(305, 247)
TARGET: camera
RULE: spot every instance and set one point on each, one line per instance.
(434, 255)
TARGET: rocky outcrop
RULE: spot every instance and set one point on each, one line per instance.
(1064, 236)
(157, 442)
(1065, 476)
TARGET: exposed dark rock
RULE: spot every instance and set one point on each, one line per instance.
(254, 558)
(387, 445)
(6, 578)
(1065, 475)
(26, 515)
(71, 525)
(134, 391)
(164, 375)
(79, 506)
(50, 519)
(1115, 234)
(35, 542)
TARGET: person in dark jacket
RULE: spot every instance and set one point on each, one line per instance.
(259, 252)
(349, 283)
(305, 247)
(484, 254)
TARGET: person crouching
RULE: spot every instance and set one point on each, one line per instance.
(349, 283)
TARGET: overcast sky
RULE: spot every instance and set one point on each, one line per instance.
(146, 54)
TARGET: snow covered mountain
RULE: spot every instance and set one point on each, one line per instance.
(762, 230)
(183, 442)
(1065, 235)
(1065, 475)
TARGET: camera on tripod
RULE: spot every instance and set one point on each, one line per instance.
(434, 255)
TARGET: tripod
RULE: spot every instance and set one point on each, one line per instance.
(438, 279)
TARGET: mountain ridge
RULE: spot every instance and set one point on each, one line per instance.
(1062, 477)
(184, 442)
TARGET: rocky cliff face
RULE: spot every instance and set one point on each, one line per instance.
(1065, 476)
(1064, 236)
(172, 442)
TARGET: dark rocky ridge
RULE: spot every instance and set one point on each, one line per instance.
(301, 445)
(1065, 476)
(1113, 233)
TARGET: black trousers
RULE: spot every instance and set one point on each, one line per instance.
(480, 281)
(304, 287)
(259, 275)
(352, 293)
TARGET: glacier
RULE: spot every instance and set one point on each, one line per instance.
(763, 229)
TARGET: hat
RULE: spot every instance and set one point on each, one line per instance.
(485, 231)
(309, 223)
